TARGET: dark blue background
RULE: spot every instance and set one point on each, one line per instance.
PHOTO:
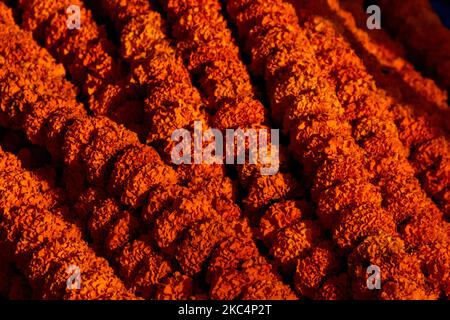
(442, 7)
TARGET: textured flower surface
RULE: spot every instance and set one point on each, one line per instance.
(93, 207)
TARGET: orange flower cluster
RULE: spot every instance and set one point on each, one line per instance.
(13, 284)
(263, 190)
(421, 112)
(375, 130)
(118, 234)
(200, 178)
(154, 69)
(301, 74)
(43, 245)
(88, 57)
(420, 133)
(420, 29)
(207, 202)
(364, 168)
(171, 101)
(85, 52)
(87, 145)
(402, 192)
(98, 153)
(211, 55)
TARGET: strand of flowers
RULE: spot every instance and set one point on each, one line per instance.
(94, 68)
(43, 245)
(376, 132)
(171, 102)
(89, 144)
(209, 176)
(211, 55)
(322, 140)
(302, 230)
(166, 88)
(13, 284)
(93, 145)
(418, 119)
(60, 46)
(108, 210)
